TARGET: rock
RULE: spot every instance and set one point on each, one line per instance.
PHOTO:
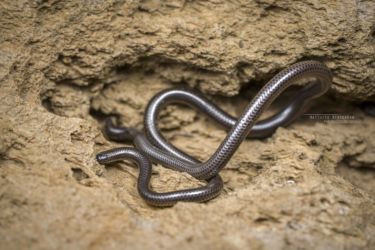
(66, 65)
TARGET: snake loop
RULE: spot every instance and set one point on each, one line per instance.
(158, 150)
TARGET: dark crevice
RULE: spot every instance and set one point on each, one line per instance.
(46, 103)
(351, 161)
(342, 40)
(99, 115)
(373, 32)
(119, 69)
(262, 220)
(78, 174)
(368, 108)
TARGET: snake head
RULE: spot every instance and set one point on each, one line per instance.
(102, 158)
(118, 134)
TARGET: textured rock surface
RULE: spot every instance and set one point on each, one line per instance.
(65, 65)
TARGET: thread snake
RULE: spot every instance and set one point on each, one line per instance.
(153, 147)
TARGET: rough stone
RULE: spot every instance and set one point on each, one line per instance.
(65, 65)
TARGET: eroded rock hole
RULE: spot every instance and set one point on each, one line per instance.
(79, 175)
(99, 115)
(46, 103)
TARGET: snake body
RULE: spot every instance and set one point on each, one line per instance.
(158, 150)
(199, 194)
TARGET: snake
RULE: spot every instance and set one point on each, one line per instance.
(166, 199)
(154, 147)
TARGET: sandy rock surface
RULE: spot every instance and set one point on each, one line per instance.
(66, 65)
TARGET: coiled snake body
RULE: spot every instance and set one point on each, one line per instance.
(155, 148)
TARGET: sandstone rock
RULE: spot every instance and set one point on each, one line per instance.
(65, 65)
